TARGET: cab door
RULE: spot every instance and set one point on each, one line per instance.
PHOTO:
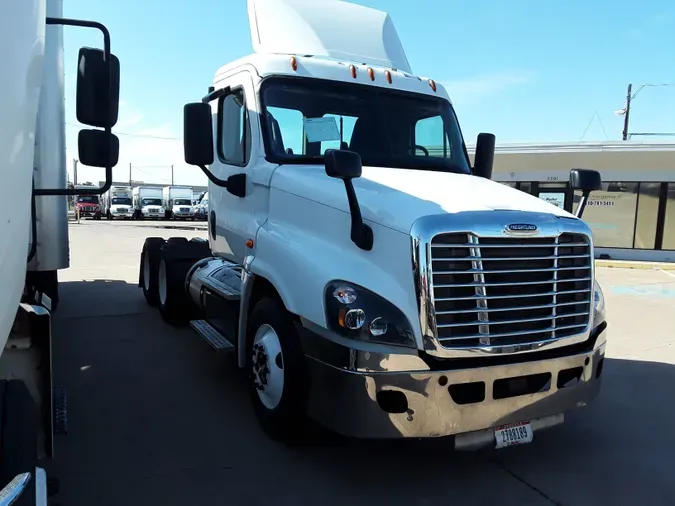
(232, 220)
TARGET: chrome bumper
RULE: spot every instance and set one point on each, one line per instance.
(453, 402)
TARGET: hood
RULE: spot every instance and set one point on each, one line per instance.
(87, 204)
(396, 198)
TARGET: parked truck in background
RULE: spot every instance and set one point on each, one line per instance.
(366, 275)
(34, 230)
(87, 205)
(177, 202)
(147, 202)
(202, 207)
(116, 203)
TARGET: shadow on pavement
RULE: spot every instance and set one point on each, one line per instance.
(156, 418)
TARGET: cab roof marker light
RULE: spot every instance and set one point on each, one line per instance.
(387, 74)
(294, 63)
(432, 83)
(371, 73)
(352, 69)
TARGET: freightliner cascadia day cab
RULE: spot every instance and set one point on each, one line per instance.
(364, 273)
(177, 201)
(34, 231)
(147, 202)
(116, 203)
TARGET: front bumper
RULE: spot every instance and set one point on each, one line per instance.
(466, 401)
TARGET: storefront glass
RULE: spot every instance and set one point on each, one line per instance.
(611, 213)
(669, 224)
(647, 216)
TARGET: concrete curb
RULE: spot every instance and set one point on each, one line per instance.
(627, 264)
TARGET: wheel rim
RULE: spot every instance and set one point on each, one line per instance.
(268, 366)
(161, 282)
(146, 270)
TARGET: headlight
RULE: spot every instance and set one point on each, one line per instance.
(357, 313)
(598, 305)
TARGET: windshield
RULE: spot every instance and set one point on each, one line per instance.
(125, 201)
(89, 199)
(182, 202)
(151, 202)
(387, 128)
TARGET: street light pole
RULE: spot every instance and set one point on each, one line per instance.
(627, 114)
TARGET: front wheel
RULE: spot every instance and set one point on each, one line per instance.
(277, 372)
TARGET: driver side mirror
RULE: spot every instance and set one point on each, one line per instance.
(97, 105)
(484, 157)
(98, 88)
(343, 164)
(586, 181)
(198, 134)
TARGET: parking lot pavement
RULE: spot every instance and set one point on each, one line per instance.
(156, 418)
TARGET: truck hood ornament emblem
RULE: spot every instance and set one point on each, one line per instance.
(521, 229)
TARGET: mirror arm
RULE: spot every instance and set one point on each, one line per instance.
(216, 94)
(106, 55)
(235, 184)
(582, 203)
(361, 234)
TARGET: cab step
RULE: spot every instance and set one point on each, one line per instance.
(216, 340)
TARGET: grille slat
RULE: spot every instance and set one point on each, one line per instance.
(510, 291)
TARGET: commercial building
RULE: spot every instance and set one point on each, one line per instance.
(632, 218)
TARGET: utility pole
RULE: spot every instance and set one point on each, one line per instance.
(626, 116)
(129, 173)
(74, 172)
(172, 175)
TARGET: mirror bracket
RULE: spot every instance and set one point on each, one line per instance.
(235, 184)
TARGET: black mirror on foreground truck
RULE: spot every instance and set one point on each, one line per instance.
(198, 146)
(484, 157)
(586, 181)
(97, 148)
(94, 105)
(346, 165)
(198, 134)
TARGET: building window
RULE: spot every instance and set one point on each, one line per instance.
(647, 216)
(669, 224)
(611, 213)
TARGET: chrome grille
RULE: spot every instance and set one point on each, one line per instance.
(510, 291)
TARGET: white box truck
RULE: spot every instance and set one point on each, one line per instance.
(366, 274)
(34, 228)
(177, 202)
(116, 203)
(147, 201)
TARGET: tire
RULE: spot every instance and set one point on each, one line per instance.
(18, 429)
(281, 411)
(177, 256)
(147, 276)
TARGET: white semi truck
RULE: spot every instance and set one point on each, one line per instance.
(116, 203)
(177, 200)
(366, 275)
(147, 201)
(34, 231)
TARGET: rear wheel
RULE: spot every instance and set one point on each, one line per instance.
(149, 268)
(277, 372)
(177, 256)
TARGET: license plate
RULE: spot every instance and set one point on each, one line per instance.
(513, 434)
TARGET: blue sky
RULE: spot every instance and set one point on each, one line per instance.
(526, 70)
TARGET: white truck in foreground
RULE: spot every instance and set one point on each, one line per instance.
(116, 203)
(34, 228)
(364, 273)
(147, 202)
(177, 201)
